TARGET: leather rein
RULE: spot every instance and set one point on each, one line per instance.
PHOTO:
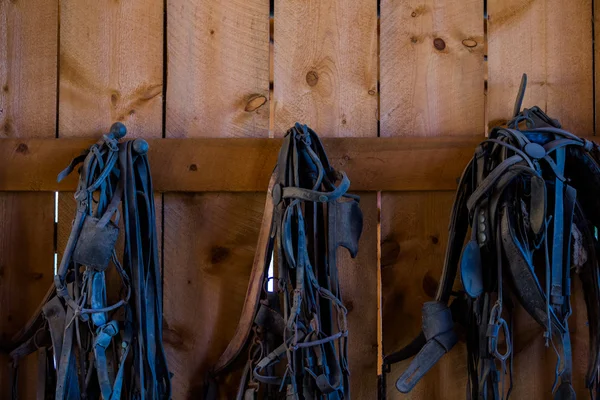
(529, 198)
(296, 335)
(87, 347)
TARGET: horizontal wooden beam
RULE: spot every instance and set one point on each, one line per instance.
(244, 165)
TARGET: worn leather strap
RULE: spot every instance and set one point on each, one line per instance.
(82, 327)
(440, 338)
(305, 319)
(531, 189)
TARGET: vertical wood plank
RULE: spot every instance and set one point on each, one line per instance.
(28, 49)
(325, 60)
(28, 57)
(26, 271)
(431, 67)
(115, 74)
(218, 86)
(111, 67)
(218, 68)
(326, 66)
(432, 82)
(530, 37)
(210, 240)
(358, 285)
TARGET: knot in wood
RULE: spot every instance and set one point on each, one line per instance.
(22, 148)
(470, 43)
(255, 102)
(439, 44)
(312, 78)
(390, 251)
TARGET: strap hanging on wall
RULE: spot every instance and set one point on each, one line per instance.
(530, 199)
(295, 336)
(103, 347)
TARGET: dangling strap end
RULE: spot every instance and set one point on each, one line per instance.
(438, 329)
(520, 96)
(76, 161)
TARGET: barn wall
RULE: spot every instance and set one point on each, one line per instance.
(251, 68)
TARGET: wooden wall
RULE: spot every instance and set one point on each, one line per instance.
(251, 68)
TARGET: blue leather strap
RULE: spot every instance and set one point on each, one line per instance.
(438, 328)
(104, 336)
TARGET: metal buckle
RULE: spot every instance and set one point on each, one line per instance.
(495, 323)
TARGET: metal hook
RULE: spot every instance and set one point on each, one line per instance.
(495, 324)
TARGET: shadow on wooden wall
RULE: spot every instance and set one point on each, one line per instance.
(246, 68)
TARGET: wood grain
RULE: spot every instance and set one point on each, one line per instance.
(414, 230)
(218, 86)
(28, 57)
(431, 67)
(28, 49)
(325, 61)
(111, 67)
(529, 37)
(210, 240)
(432, 83)
(218, 68)
(358, 286)
(114, 75)
(26, 271)
(195, 165)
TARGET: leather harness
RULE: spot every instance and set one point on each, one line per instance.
(296, 336)
(87, 348)
(530, 198)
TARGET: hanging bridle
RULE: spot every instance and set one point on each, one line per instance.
(95, 349)
(291, 333)
(530, 197)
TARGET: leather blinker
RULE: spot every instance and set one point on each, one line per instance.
(346, 218)
(471, 270)
(96, 244)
